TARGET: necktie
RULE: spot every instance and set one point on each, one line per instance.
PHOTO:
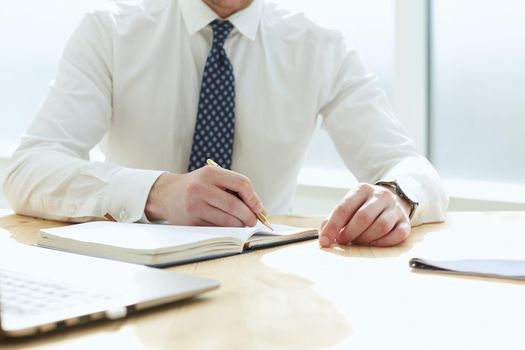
(215, 125)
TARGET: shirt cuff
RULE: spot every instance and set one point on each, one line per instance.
(129, 192)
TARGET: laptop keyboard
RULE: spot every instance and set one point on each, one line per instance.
(28, 296)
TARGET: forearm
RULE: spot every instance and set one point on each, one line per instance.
(49, 182)
(373, 143)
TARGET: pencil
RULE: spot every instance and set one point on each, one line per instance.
(262, 218)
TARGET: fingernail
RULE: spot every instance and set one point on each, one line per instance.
(324, 241)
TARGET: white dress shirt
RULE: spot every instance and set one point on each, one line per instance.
(130, 77)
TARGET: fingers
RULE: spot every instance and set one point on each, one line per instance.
(381, 227)
(204, 197)
(217, 217)
(199, 222)
(228, 203)
(368, 215)
(230, 194)
(363, 222)
(238, 183)
(396, 236)
(342, 214)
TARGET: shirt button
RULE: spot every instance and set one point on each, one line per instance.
(123, 215)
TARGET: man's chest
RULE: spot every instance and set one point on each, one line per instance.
(276, 88)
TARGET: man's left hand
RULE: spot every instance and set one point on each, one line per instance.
(368, 215)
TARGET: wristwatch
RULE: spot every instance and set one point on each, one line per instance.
(394, 186)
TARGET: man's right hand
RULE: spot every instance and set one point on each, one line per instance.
(201, 198)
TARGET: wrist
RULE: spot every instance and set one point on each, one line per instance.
(155, 209)
(408, 205)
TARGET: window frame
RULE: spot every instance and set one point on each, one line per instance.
(412, 78)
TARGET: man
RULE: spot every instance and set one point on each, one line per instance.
(166, 84)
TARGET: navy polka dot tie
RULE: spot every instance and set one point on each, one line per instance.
(215, 126)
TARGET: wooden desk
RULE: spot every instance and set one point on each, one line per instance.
(303, 297)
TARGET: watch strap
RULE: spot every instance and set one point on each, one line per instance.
(393, 185)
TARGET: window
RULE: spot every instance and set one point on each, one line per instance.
(478, 74)
(32, 35)
(367, 26)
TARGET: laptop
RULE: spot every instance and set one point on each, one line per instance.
(45, 290)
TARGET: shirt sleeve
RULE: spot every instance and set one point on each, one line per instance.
(50, 174)
(370, 139)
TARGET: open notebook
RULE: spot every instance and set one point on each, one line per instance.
(163, 245)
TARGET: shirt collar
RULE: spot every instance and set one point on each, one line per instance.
(197, 15)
